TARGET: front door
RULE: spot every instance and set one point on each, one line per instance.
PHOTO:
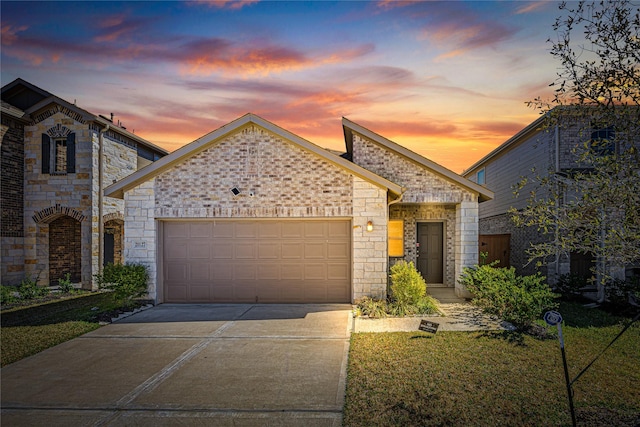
(430, 256)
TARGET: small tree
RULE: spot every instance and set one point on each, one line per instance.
(595, 206)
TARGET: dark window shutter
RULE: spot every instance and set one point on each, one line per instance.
(71, 153)
(46, 153)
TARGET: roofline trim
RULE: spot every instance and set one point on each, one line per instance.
(159, 166)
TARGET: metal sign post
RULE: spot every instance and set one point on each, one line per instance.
(554, 318)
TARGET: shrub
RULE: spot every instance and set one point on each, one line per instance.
(617, 291)
(407, 285)
(371, 307)
(128, 281)
(519, 300)
(29, 289)
(569, 285)
(7, 294)
(64, 285)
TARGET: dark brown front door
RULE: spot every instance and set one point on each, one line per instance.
(430, 257)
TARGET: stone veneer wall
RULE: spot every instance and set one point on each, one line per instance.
(75, 192)
(11, 208)
(141, 232)
(286, 182)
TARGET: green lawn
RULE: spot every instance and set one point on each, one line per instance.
(29, 330)
(500, 378)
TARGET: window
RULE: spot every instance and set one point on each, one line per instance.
(58, 154)
(396, 238)
(480, 177)
(603, 141)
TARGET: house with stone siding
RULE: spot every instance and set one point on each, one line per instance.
(251, 212)
(56, 159)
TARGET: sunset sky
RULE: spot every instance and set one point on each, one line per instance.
(448, 80)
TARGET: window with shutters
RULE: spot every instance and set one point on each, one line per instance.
(58, 154)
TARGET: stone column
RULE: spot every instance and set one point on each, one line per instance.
(466, 241)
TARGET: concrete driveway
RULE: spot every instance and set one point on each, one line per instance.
(250, 365)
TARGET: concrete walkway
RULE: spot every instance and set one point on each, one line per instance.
(223, 365)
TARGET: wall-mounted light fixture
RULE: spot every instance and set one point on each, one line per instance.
(235, 191)
(369, 225)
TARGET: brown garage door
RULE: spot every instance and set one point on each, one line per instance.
(265, 261)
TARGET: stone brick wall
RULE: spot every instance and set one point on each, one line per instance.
(11, 208)
(275, 178)
(73, 192)
(370, 260)
(141, 233)
(422, 185)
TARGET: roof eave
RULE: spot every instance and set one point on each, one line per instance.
(349, 127)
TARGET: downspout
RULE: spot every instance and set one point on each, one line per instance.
(101, 197)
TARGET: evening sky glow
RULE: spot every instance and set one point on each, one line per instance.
(448, 80)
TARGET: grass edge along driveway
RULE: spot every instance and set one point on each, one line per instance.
(495, 378)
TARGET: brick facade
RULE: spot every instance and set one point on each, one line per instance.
(11, 207)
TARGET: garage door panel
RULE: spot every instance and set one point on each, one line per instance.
(292, 250)
(246, 230)
(222, 250)
(245, 250)
(200, 230)
(338, 250)
(247, 261)
(314, 272)
(222, 229)
(315, 250)
(199, 271)
(176, 251)
(314, 229)
(269, 250)
(199, 250)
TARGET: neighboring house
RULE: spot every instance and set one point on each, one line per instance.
(253, 213)
(55, 220)
(538, 149)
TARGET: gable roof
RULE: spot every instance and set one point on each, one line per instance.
(350, 127)
(29, 98)
(509, 144)
(180, 155)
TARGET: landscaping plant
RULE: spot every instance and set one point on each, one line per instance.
(409, 291)
(29, 289)
(519, 300)
(127, 281)
(7, 294)
(64, 285)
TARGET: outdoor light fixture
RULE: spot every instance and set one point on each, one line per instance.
(369, 225)
(235, 191)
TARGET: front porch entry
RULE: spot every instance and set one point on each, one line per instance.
(430, 252)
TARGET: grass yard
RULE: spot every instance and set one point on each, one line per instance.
(29, 330)
(497, 378)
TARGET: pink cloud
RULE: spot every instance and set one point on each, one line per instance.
(226, 4)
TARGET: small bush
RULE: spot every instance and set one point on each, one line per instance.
(569, 285)
(407, 285)
(128, 281)
(7, 294)
(617, 291)
(519, 300)
(64, 285)
(29, 289)
(371, 307)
